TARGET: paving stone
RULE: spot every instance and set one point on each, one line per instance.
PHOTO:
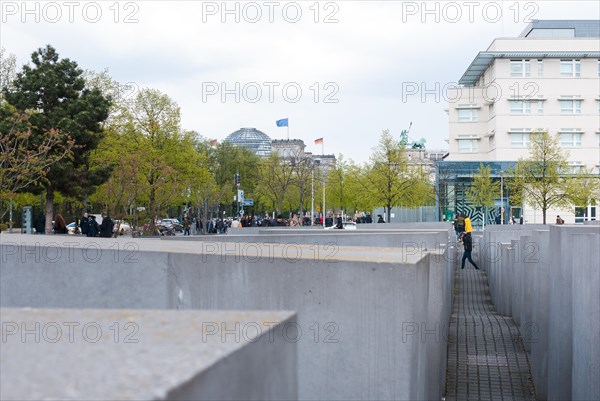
(486, 357)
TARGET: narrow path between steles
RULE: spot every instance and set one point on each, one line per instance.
(486, 358)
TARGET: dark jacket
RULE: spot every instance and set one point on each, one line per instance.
(106, 228)
(84, 224)
(40, 224)
(468, 242)
(93, 228)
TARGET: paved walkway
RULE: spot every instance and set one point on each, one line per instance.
(486, 358)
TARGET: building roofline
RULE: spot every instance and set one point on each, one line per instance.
(484, 59)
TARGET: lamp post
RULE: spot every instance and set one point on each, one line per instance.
(236, 180)
(501, 197)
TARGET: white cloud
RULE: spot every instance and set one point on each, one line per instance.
(368, 54)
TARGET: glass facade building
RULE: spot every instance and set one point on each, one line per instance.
(453, 180)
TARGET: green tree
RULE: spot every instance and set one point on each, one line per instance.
(155, 162)
(541, 180)
(23, 163)
(483, 189)
(388, 179)
(276, 177)
(56, 90)
(338, 195)
(8, 70)
(227, 159)
(584, 189)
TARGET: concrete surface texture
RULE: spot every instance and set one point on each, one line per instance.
(362, 311)
(69, 354)
(547, 279)
(408, 239)
(486, 358)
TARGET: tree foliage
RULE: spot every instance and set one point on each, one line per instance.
(541, 180)
(390, 180)
(55, 91)
(23, 162)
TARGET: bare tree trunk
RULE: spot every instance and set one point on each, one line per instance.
(49, 210)
(389, 214)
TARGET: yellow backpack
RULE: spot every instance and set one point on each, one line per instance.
(468, 227)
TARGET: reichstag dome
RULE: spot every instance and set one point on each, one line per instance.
(253, 139)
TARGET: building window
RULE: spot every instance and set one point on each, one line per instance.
(540, 107)
(570, 138)
(467, 115)
(520, 138)
(519, 69)
(467, 146)
(540, 68)
(570, 106)
(575, 168)
(587, 213)
(520, 107)
(570, 68)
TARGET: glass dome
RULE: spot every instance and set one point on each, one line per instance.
(253, 139)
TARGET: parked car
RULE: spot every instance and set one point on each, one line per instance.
(177, 226)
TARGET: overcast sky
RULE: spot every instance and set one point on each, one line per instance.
(357, 64)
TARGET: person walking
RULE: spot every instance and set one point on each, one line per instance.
(467, 241)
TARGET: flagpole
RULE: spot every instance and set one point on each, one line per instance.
(324, 180)
(312, 196)
(288, 130)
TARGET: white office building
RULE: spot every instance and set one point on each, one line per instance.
(546, 79)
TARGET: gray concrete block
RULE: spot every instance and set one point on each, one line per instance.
(360, 310)
(560, 321)
(410, 239)
(586, 317)
(537, 336)
(70, 354)
(527, 258)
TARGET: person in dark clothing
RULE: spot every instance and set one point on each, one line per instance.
(106, 228)
(40, 224)
(93, 227)
(187, 226)
(60, 227)
(84, 222)
(279, 222)
(468, 244)
(380, 219)
(339, 224)
(460, 223)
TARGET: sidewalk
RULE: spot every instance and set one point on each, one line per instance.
(486, 358)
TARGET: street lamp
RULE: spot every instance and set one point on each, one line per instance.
(501, 197)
